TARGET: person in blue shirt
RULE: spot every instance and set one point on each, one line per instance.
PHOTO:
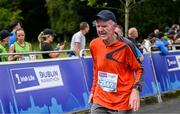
(133, 35)
(158, 43)
(15, 25)
(155, 44)
(161, 37)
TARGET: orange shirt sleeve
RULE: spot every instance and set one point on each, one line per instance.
(95, 72)
(135, 66)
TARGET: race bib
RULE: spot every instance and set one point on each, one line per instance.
(27, 58)
(107, 81)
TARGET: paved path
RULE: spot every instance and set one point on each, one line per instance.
(170, 107)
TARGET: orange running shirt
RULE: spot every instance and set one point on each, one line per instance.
(111, 62)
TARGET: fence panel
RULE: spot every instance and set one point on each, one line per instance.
(43, 87)
(167, 70)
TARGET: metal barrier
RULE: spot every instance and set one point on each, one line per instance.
(155, 79)
(82, 52)
(34, 55)
(174, 46)
(62, 85)
(37, 52)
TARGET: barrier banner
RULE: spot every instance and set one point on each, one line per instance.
(167, 70)
(43, 87)
(149, 86)
(87, 64)
(6, 96)
(63, 85)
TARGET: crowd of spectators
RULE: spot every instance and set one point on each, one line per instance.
(14, 41)
(162, 41)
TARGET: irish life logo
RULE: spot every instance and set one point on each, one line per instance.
(35, 78)
(173, 63)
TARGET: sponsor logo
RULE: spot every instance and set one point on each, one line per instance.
(28, 79)
(102, 74)
(173, 62)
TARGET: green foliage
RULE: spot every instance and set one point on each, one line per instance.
(154, 14)
(63, 15)
(6, 16)
(8, 13)
(146, 15)
(91, 2)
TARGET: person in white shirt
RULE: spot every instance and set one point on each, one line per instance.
(147, 43)
(78, 41)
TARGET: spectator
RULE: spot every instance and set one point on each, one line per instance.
(20, 46)
(147, 43)
(133, 47)
(171, 36)
(114, 63)
(162, 38)
(78, 41)
(14, 26)
(133, 35)
(175, 27)
(127, 41)
(156, 32)
(4, 37)
(177, 40)
(155, 44)
(46, 38)
(166, 29)
(119, 30)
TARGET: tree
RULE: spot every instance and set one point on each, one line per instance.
(63, 15)
(152, 14)
(127, 4)
(8, 13)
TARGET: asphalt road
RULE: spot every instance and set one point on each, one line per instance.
(170, 107)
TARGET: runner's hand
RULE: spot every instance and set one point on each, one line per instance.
(134, 100)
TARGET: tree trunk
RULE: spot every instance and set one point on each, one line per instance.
(126, 17)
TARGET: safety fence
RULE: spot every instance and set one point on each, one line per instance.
(63, 85)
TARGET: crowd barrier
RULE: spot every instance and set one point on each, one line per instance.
(49, 86)
(63, 85)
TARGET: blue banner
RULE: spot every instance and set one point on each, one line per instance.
(88, 69)
(167, 70)
(43, 87)
(63, 86)
(149, 86)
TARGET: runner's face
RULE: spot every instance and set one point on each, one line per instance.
(105, 29)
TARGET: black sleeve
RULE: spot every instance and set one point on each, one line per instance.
(129, 43)
(133, 48)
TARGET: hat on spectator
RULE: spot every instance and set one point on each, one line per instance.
(48, 31)
(106, 15)
(151, 35)
(4, 34)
